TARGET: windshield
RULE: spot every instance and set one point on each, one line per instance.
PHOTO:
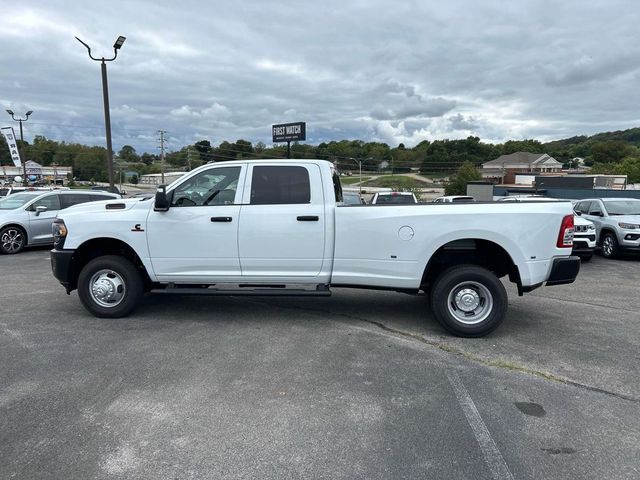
(395, 199)
(622, 207)
(351, 199)
(17, 200)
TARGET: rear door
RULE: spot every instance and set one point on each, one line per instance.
(282, 222)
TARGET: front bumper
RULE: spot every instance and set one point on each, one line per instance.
(564, 270)
(61, 265)
(584, 244)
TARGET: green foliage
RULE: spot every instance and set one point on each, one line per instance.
(134, 179)
(128, 154)
(457, 184)
(531, 146)
(397, 182)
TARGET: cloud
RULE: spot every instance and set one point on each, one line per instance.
(357, 70)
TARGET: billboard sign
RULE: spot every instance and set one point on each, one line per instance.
(289, 132)
(10, 138)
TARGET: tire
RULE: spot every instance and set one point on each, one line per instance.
(110, 286)
(610, 248)
(12, 240)
(469, 301)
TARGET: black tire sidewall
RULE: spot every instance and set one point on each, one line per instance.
(132, 280)
(452, 277)
(24, 239)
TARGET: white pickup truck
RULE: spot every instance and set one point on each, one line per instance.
(279, 227)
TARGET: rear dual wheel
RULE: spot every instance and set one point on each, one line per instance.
(469, 301)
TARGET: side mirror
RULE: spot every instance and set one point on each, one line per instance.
(123, 192)
(578, 212)
(40, 209)
(162, 199)
(596, 213)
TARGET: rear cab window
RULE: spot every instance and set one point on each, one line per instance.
(278, 185)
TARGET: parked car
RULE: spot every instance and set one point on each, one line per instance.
(26, 217)
(454, 199)
(617, 222)
(286, 232)
(584, 238)
(352, 198)
(107, 188)
(394, 198)
(5, 191)
(584, 231)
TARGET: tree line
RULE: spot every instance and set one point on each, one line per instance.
(611, 152)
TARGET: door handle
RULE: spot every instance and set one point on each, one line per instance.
(308, 218)
(221, 219)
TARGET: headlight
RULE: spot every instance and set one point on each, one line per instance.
(592, 227)
(628, 226)
(59, 230)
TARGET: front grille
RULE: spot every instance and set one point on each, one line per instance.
(581, 228)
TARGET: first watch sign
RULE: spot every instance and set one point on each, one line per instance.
(289, 132)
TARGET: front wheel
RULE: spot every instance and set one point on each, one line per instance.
(12, 240)
(110, 286)
(469, 301)
(610, 247)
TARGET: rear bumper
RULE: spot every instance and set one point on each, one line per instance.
(564, 270)
(61, 266)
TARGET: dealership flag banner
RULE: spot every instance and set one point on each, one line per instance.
(10, 138)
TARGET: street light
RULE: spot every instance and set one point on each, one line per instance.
(359, 161)
(24, 163)
(105, 96)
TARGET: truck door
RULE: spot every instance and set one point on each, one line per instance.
(197, 238)
(282, 222)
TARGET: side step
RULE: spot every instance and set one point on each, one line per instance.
(243, 290)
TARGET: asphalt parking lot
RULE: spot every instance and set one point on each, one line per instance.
(359, 385)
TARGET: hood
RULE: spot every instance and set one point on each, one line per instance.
(578, 220)
(106, 206)
(635, 219)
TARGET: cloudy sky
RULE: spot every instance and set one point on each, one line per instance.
(365, 69)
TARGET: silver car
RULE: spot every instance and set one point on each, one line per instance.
(617, 222)
(26, 217)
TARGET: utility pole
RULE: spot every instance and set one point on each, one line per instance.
(161, 139)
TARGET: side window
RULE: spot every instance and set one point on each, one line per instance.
(278, 185)
(583, 207)
(595, 207)
(216, 186)
(95, 198)
(52, 202)
(337, 188)
(67, 200)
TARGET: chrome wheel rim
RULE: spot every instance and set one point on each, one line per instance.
(12, 240)
(107, 288)
(470, 302)
(607, 245)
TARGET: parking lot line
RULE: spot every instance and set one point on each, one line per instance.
(492, 456)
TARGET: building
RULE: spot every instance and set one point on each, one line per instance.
(36, 173)
(505, 167)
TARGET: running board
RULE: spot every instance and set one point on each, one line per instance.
(271, 291)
